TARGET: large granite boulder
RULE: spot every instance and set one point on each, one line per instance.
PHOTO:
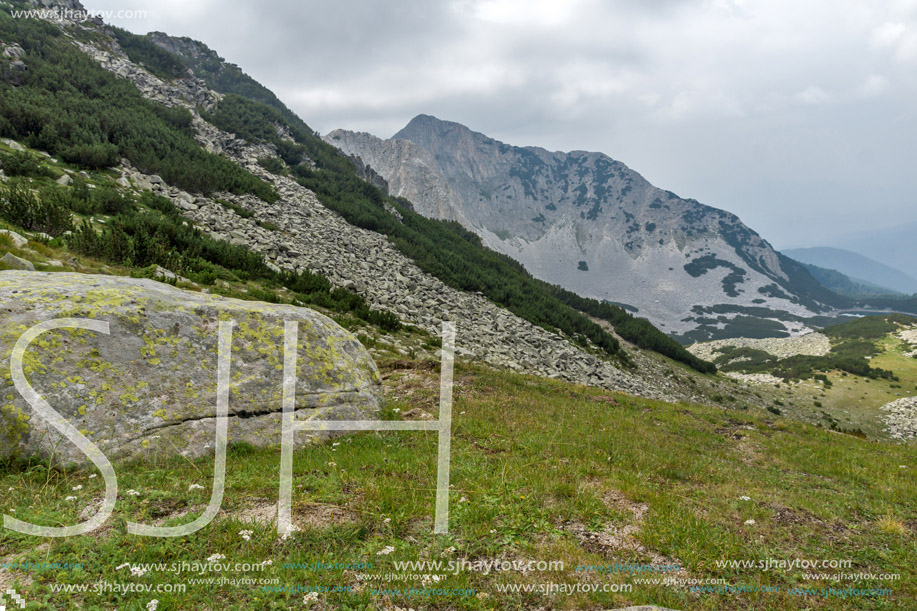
(149, 387)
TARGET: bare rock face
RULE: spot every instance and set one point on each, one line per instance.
(591, 224)
(409, 170)
(149, 387)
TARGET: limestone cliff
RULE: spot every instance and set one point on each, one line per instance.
(592, 225)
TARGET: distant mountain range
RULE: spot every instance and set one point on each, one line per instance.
(591, 224)
(894, 246)
(857, 267)
(845, 285)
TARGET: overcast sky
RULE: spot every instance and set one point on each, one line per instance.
(798, 115)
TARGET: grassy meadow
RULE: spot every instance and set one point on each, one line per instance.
(541, 471)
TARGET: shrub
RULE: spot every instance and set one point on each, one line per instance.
(272, 165)
(109, 200)
(23, 163)
(21, 206)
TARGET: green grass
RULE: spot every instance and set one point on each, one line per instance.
(529, 456)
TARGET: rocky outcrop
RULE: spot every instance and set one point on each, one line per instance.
(367, 173)
(901, 418)
(149, 387)
(909, 336)
(12, 65)
(14, 262)
(188, 92)
(409, 170)
(589, 223)
(73, 5)
(183, 46)
(191, 93)
(810, 344)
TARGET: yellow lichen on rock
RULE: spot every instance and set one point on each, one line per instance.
(151, 382)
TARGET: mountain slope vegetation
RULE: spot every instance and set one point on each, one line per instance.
(67, 105)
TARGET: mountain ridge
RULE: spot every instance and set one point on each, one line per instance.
(591, 224)
(893, 246)
(857, 266)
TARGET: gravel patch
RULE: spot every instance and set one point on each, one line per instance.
(910, 336)
(811, 344)
(901, 420)
(754, 378)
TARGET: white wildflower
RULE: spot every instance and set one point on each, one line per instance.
(138, 571)
(386, 521)
(749, 522)
(70, 498)
(428, 579)
(246, 534)
(310, 598)
(744, 498)
(288, 534)
(448, 551)
(213, 558)
(78, 487)
(385, 551)
(195, 487)
(133, 492)
(152, 605)
(332, 464)
(93, 476)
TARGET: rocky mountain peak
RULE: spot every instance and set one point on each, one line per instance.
(183, 46)
(593, 225)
